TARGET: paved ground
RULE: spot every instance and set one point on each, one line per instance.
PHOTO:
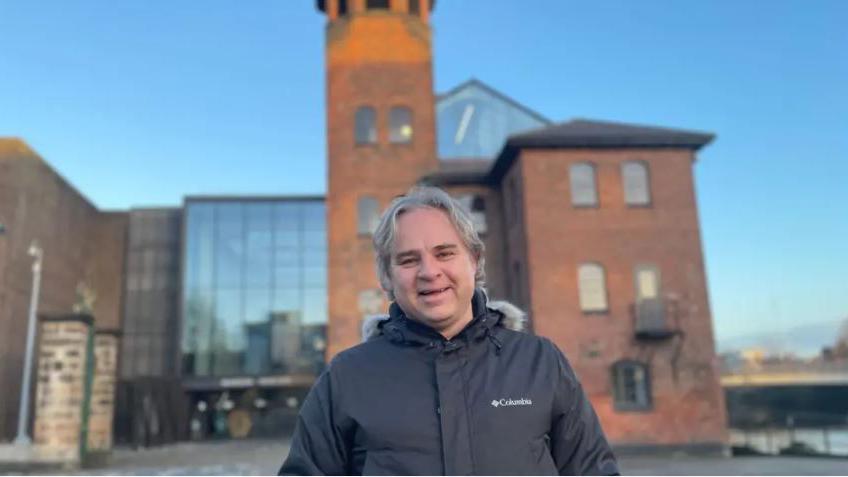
(263, 457)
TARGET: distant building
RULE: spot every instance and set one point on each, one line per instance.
(233, 303)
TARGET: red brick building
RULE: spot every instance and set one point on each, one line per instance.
(590, 226)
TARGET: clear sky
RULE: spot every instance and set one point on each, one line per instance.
(140, 103)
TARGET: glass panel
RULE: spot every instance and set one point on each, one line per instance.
(476, 121)
(286, 216)
(198, 328)
(583, 191)
(314, 277)
(229, 246)
(259, 243)
(285, 341)
(314, 215)
(367, 215)
(257, 358)
(365, 128)
(315, 306)
(228, 337)
(636, 186)
(315, 239)
(257, 305)
(286, 277)
(593, 294)
(286, 300)
(199, 236)
(400, 124)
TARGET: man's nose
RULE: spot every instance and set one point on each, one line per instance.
(429, 269)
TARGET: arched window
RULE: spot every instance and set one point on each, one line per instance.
(415, 7)
(631, 386)
(400, 125)
(377, 4)
(583, 185)
(365, 125)
(342, 7)
(368, 215)
(592, 288)
(637, 187)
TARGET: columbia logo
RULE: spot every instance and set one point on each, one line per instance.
(511, 402)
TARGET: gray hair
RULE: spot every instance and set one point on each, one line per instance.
(420, 197)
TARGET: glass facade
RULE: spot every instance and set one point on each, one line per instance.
(475, 121)
(254, 287)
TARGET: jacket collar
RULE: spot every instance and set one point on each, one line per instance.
(487, 315)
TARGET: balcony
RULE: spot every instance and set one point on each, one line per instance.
(652, 319)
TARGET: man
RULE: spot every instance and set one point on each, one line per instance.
(445, 384)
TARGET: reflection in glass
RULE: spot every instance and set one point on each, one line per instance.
(258, 245)
(400, 124)
(255, 281)
(229, 245)
(365, 127)
(475, 121)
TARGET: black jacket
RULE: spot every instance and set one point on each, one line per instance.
(489, 401)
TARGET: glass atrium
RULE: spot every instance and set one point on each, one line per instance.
(254, 296)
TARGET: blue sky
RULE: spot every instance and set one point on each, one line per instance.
(140, 103)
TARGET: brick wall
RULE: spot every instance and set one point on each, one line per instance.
(687, 403)
(380, 59)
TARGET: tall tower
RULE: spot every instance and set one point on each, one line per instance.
(381, 139)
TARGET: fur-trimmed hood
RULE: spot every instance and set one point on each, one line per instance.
(510, 316)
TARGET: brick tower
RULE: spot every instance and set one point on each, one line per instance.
(380, 140)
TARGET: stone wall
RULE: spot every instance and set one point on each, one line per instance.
(60, 408)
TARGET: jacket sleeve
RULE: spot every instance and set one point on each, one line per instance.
(578, 444)
(318, 446)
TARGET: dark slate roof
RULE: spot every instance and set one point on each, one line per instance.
(590, 134)
(322, 5)
(459, 172)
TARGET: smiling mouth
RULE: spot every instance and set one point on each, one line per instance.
(434, 291)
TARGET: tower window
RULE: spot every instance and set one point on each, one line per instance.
(365, 127)
(584, 191)
(342, 7)
(368, 215)
(415, 7)
(377, 4)
(631, 387)
(400, 125)
(592, 288)
(637, 188)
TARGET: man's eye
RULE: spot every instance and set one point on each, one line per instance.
(446, 254)
(406, 262)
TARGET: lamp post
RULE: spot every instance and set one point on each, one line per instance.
(23, 414)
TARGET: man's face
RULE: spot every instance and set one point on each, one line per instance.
(432, 271)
